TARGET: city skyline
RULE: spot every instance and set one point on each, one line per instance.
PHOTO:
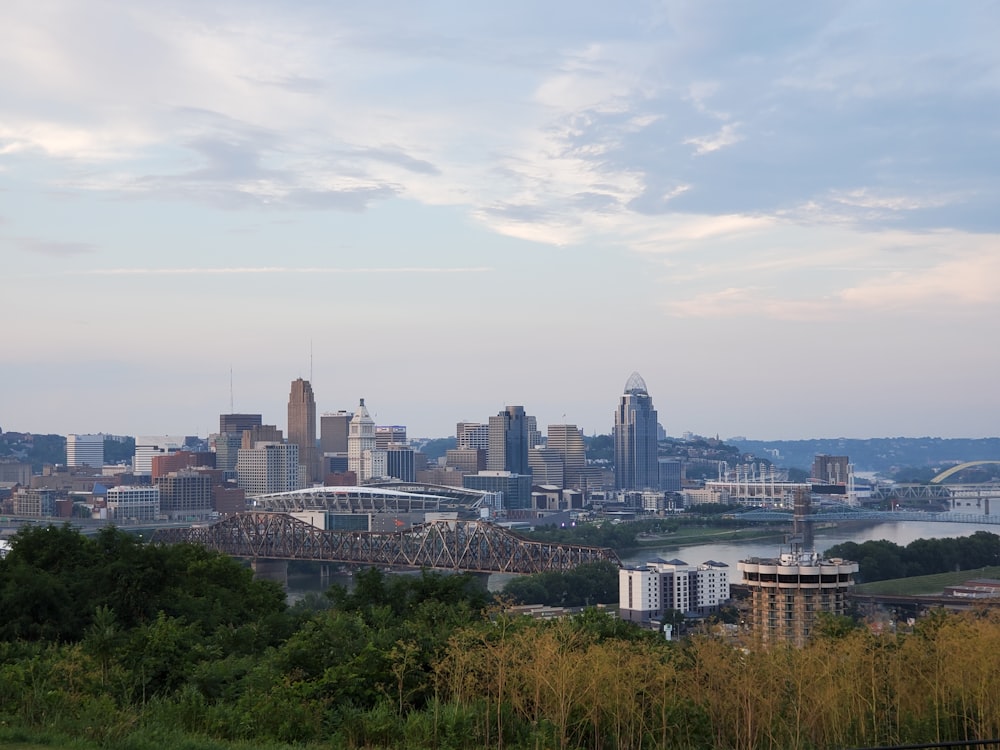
(783, 216)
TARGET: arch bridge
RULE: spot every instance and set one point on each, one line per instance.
(940, 478)
(473, 546)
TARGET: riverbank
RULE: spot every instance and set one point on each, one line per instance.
(703, 535)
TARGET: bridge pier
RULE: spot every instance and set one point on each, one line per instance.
(483, 579)
(270, 570)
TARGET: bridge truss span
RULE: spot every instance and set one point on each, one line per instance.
(474, 546)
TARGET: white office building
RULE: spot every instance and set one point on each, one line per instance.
(267, 468)
(128, 503)
(148, 446)
(85, 450)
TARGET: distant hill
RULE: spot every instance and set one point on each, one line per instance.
(875, 454)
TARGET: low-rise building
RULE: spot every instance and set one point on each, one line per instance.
(647, 592)
(133, 503)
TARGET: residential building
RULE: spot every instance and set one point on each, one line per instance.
(302, 428)
(648, 592)
(635, 432)
(831, 469)
(85, 450)
(789, 592)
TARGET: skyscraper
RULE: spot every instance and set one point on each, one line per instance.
(508, 447)
(567, 440)
(333, 430)
(238, 422)
(268, 467)
(302, 427)
(636, 467)
(361, 458)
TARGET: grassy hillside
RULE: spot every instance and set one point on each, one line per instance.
(932, 584)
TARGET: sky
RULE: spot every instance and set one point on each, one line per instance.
(783, 215)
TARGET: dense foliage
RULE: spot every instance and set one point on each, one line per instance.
(159, 647)
(883, 560)
(586, 585)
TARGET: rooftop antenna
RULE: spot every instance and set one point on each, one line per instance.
(232, 410)
(310, 360)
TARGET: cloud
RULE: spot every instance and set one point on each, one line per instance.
(394, 156)
(706, 144)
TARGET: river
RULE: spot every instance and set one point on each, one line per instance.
(900, 532)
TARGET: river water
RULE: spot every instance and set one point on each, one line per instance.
(900, 532)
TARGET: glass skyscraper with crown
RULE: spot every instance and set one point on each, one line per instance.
(636, 466)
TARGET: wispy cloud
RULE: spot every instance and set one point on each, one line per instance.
(706, 144)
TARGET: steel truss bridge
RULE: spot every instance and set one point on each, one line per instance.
(474, 546)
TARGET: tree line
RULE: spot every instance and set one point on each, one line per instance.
(883, 560)
(107, 642)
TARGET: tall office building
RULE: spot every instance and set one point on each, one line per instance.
(399, 462)
(85, 450)
(264, 433)
(636, 467)
(227, 447)
(389, 434)
(268, 467)
(547, 467)
(567, 440)
(185, 494)
(361, 445)
(302, 428)
(333, 431)
(238, 422)
(509, 441)
(472, 435)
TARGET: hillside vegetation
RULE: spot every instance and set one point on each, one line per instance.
(108, 643)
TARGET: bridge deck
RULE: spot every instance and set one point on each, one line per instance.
(474, 546)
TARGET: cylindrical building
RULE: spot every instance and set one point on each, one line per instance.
(788, 593)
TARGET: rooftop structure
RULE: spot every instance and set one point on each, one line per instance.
(366, 499)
